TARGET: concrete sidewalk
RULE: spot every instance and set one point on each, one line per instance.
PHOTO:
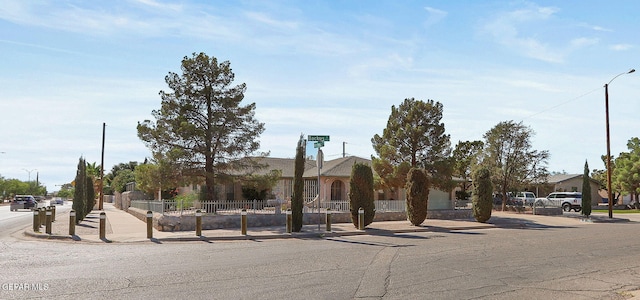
(123, 227)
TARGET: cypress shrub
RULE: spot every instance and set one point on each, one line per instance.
(79, 194)
(297, 199)
(361, 193)
(91, 195)
(417, 188)
(586, 191)
(482, 195)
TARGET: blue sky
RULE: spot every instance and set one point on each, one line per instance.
(316, 67)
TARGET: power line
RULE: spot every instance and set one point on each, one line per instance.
(562, 103)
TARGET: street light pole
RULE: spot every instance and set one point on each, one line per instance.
(29, 172)
(606, 104)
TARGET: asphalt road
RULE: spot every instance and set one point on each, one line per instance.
(586, 261)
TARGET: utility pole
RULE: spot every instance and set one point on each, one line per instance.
(101, 187)
(344, 153)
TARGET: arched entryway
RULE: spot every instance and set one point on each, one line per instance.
(337, 191)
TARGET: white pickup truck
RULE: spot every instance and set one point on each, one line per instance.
(567, 200)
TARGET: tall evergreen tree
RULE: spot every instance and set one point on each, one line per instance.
(482, 194)
(361, 193)
(91, 195)
(202, 127)
(414, 137)
(79, 194)
(297, 199)
(586, 191)
(417, 196)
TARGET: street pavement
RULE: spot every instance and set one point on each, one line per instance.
(121, 227)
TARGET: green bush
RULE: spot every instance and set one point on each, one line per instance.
(482, 195)
(186, 201)
(417, 188)
(361, 193)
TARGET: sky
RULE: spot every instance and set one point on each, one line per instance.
(316, 68)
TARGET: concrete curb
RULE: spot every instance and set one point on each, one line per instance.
(266, 233)
(299, 235)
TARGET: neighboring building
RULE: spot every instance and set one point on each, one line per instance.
(569, 183)
(335, 179)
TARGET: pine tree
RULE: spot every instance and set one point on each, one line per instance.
(361, 193)
(482, 195)
(297, 199)
(586, 191)
(417, 196)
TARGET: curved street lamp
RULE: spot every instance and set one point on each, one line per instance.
(29, 171)
(606, 104)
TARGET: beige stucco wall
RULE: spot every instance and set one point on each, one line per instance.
(575, 184)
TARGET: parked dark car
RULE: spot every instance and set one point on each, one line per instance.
(56, 201)
(25, 202)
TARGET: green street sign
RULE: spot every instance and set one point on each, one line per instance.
(318, 138)
(318, 144)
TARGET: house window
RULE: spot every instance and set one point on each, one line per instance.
(288, 188)
(230, 192)
(310, 189)
(337, 190)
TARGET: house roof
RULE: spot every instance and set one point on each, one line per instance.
(559, 178)
(285, 165)
(340, 167)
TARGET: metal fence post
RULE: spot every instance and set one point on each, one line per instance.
(289, 220)
(48, 221)
(72, 222)
(243, 221)
(361, 219)
(328, 220)
(42, 214)
(149, 224)
(103, 221)
(198, 222)
(36, 221)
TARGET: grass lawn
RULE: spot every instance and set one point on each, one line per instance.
(618, 211)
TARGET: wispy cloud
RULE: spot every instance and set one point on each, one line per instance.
(621, 47)
(525, 31)
(434, 16)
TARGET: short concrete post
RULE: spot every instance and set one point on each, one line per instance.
(103, 224)
(198, 222)
(361, 219)
(149, 224)
(53, 213)
(48, 222)
(72, 222)
(328, 220)
(243, 221)
(289, 220)
(36, 221)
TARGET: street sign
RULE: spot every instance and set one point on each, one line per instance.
(318, 138)
(318, 144)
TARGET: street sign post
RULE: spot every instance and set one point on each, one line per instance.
(319, 143)
(318, 138)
